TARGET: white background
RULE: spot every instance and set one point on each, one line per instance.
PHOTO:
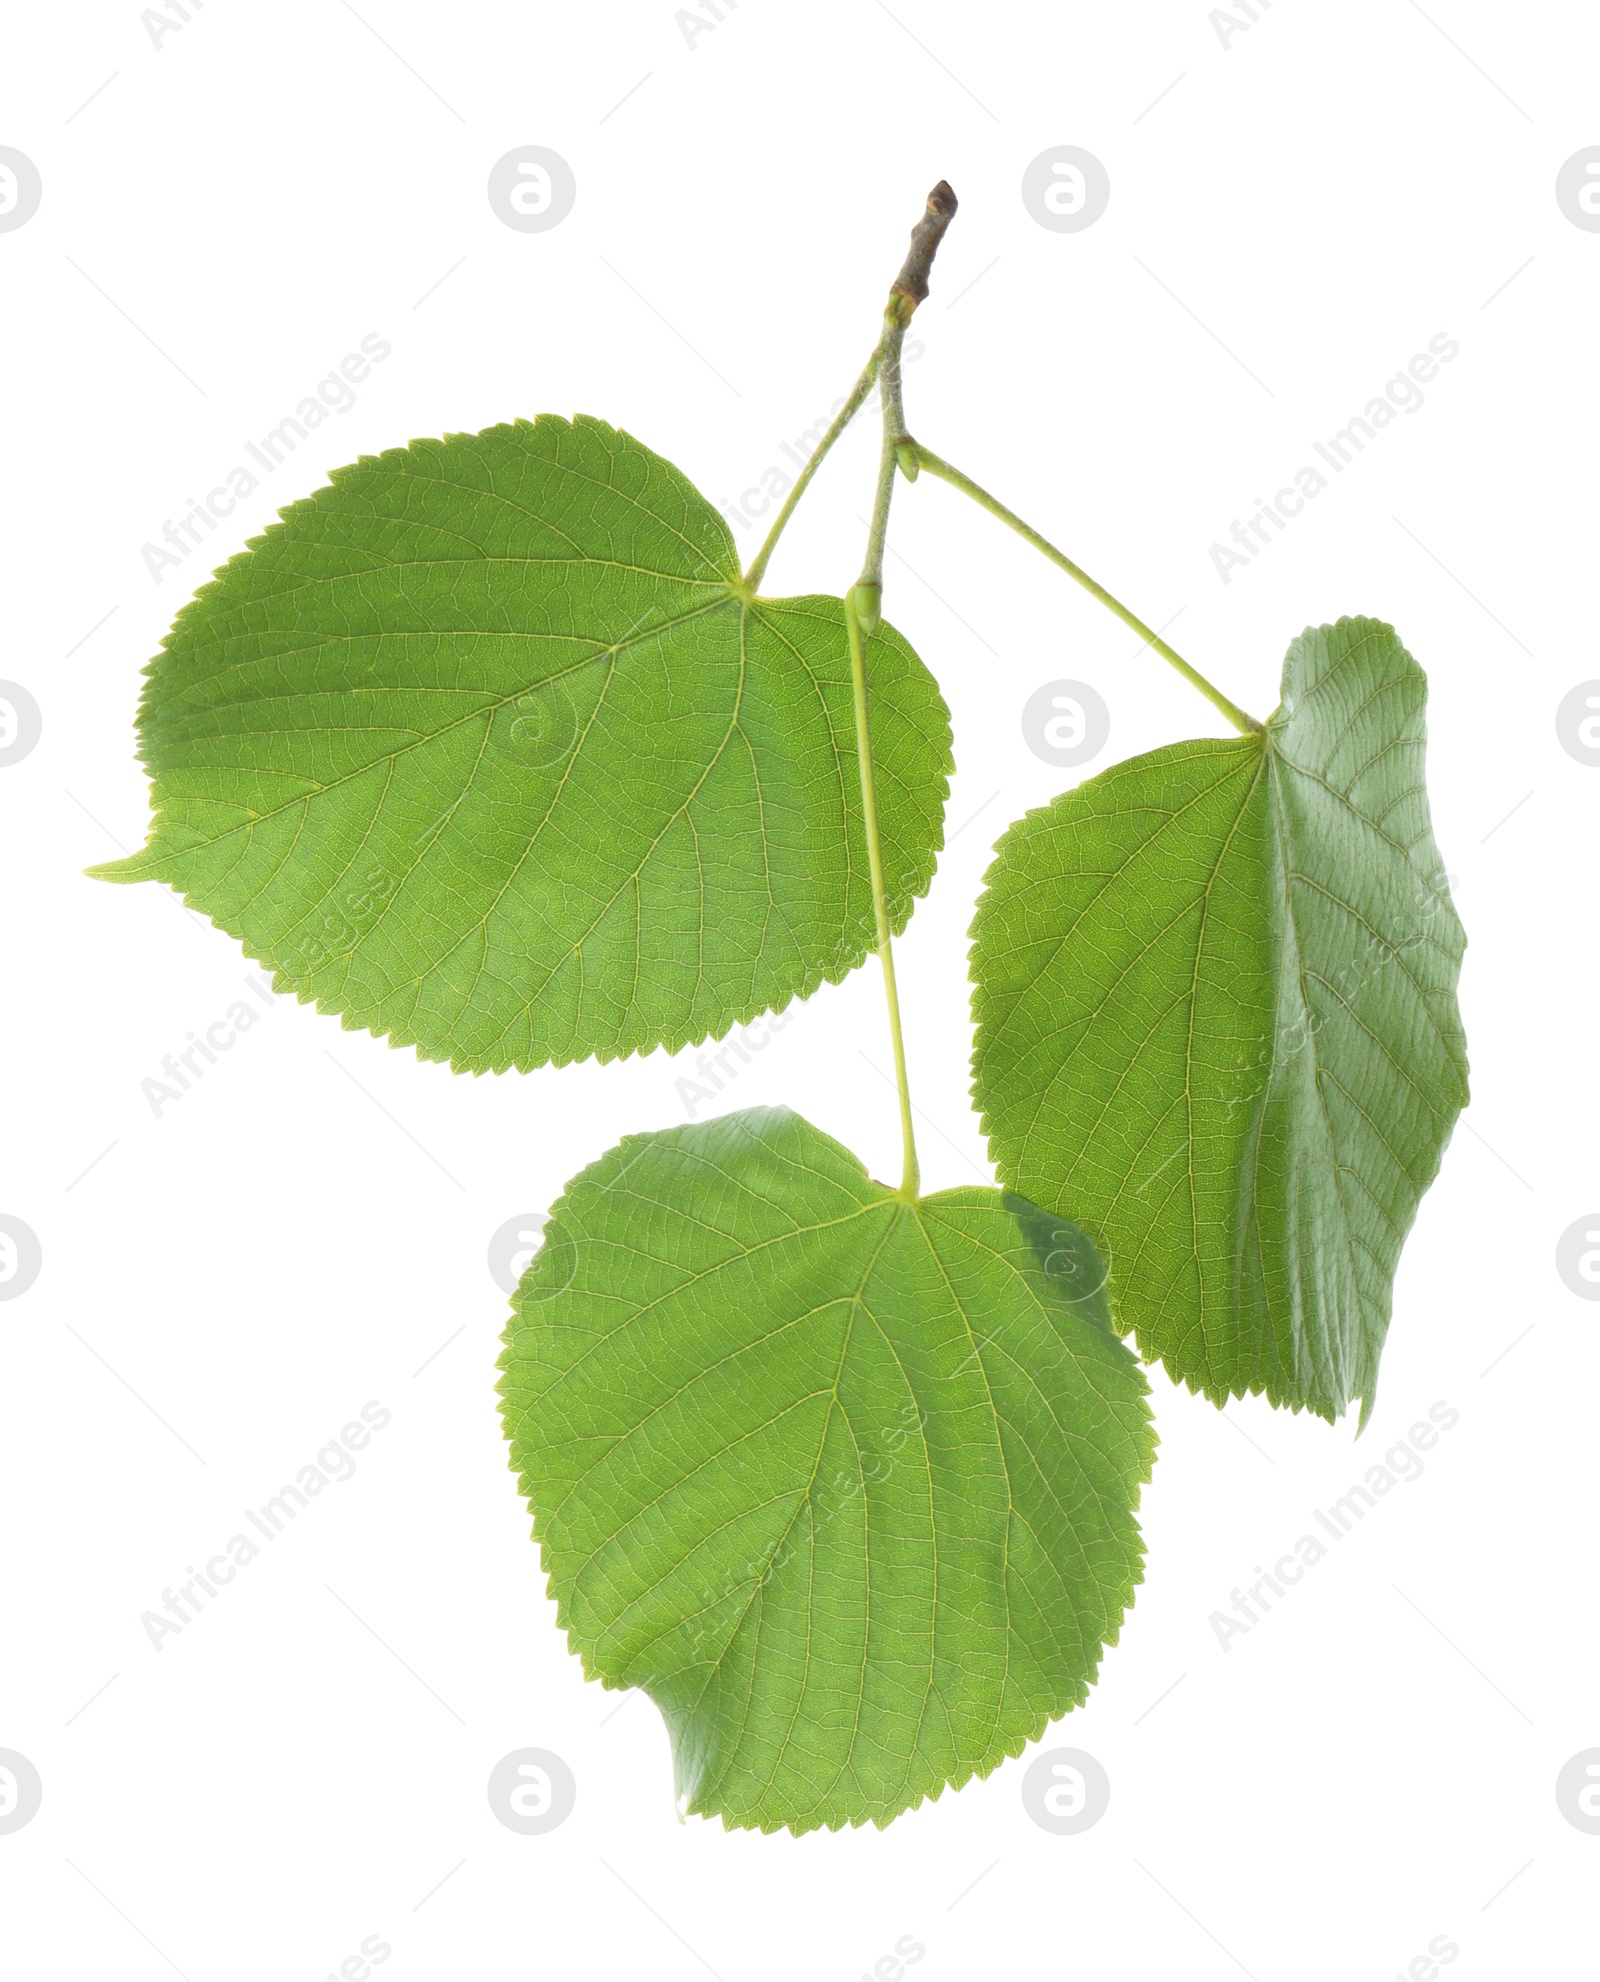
(1365, 1770)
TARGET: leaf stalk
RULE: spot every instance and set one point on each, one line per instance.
(847, 412)
(1246, 724)
(910, 1174)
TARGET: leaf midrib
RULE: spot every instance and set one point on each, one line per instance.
(634, 637)
(891, 1222)
(1332, 1346)
(858, 1304)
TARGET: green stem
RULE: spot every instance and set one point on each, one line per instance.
(909, 1176)
(863, 602)
(894, 432)
(846, 413)
(1246, 724)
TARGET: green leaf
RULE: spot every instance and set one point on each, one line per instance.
(484, 747)
(1216, 1016)
(845, 1481)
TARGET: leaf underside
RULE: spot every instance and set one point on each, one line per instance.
(483, 747)
(1215, 996)
(845, 1482)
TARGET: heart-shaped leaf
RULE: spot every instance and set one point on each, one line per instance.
(484, 747)
(845, 1481)
(1216, 1016)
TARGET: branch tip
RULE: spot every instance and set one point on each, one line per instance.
(912, 281)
